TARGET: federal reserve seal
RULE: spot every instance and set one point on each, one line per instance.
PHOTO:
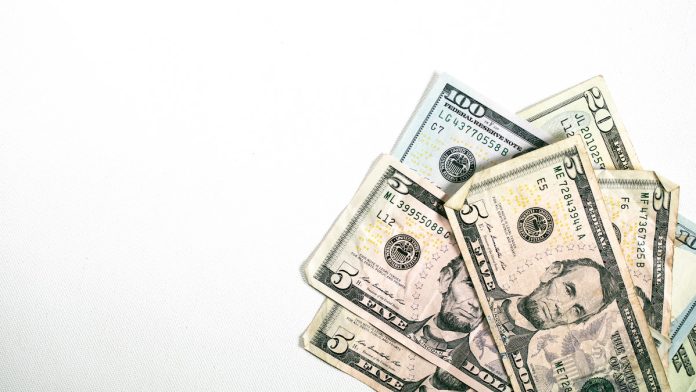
(457, 164)
(402, 252)
(535, 225)
(597, 384)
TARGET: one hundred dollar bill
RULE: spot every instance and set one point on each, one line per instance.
(683, 287)
(455, 131)
(391, 259)
(587, 110)
(552, 281)
(642, 209)
(354, 346)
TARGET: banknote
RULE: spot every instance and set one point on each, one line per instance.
(682, 365)
(551, 280)
(683, 288)
(683, 322)
(587, 110)
(682, 360)
(642, 209)
(391, 259)
(455, 131)
(354, 346)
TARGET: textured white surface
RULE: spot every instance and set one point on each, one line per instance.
(166, 166)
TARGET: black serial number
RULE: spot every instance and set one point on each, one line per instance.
(423, 219)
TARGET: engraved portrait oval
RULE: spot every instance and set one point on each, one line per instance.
(457, 164)
(402, 252)
(535, 225)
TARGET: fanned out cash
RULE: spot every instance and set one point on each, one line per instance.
(537, 275)
(551, 275)
(471, 135)
(391, 259)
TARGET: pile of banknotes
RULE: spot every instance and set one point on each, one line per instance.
(500, 252)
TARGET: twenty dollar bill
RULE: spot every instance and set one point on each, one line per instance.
(552, 281)
(587, 110)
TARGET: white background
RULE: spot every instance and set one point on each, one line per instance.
(167, 166)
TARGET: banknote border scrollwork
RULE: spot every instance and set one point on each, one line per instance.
(491, 114)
